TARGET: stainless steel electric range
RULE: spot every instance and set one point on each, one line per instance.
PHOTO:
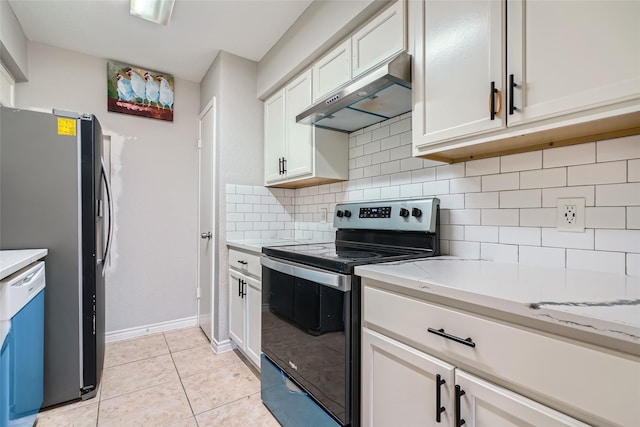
(311, 315)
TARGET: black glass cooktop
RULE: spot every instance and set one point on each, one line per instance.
(342, 257)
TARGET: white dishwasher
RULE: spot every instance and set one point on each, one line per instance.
(22, 352)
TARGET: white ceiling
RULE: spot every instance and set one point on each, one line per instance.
(185, 48)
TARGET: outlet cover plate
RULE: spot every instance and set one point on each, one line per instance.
(570, 214)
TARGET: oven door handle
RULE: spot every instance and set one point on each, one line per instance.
(341, 282)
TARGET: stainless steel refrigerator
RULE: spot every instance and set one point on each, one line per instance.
(54, 194)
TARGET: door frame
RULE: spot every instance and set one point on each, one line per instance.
(214, 241)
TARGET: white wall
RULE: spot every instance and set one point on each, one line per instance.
(232, 80)
(501, 208)
(319, 28)
(152, 277)
(13, 43)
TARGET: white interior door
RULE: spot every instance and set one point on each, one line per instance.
(206, 218)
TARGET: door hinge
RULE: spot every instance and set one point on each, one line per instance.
(197, 293)
(199, 143)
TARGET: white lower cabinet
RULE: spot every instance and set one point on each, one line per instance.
(245, 305)
(421, 359)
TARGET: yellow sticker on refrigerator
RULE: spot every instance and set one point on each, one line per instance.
(66, 126)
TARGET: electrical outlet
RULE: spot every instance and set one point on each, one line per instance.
(323, 215)
(570, 214)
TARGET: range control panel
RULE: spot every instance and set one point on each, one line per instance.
(375, 212)
(407, 215)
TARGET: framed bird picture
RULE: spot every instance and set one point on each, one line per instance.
(134, 90)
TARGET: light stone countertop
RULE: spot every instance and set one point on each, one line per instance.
(10, 262)
(256, 245)
(601, 308)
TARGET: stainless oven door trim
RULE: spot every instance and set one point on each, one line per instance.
(341, 282)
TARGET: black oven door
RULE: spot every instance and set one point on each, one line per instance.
(306, 333)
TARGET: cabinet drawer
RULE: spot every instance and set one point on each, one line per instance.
(245, 262)
(570, 377)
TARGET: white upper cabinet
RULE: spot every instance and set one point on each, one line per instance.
(459, 58)
(381, 38)
(7, 85)
(530, 72)
(570, 56)
(298, 154)
(274, 134)
(332, 70)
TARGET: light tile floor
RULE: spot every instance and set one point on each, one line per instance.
(171, 379)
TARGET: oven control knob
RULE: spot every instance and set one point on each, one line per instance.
(339, 214)
(416, 212)
(347, 214)
(404, 213)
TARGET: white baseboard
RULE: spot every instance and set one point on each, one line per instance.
(125, 334)
(222, 346)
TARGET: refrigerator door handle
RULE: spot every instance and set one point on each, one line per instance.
(107, 186)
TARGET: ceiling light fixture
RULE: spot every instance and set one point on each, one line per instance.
(158, 11)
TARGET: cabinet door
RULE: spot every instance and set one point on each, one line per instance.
(399, 385)
(568, 56)
(459, 54)
(254, 320)
(486, 405)
(274, 137)
(381, 38)
(237, 308)
(7, 87)
(299, 158)
(332, 71)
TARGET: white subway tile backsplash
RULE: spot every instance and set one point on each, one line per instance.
(390, 142)
(606, 262)
(545, 217)
(390, 167)
(599, 173)
(578, 154)
(634, 170)
(434, 188)
(483, 166)
(618, 195)
(605, 217)
(627, 147)
(455, 170)
(423, 175)
(468, 250)
(633, 264)
(550, 196)
(505, 181)
(380, 133)
(411, 190)
(481, 200)
(465, 185)
(452, 232)
(536, 255)
(507, 217)
(544, 178)
(501, 208)
(464, 216)
(565, 239)
(633, 217)
(497, 252)
(401, 152)
(372, 147)
(410, 164)
(618, 240)
(451, 201)
(521, 199)
(520, 235)
(481, 233)
(521, 162)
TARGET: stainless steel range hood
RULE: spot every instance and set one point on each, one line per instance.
(382, 93)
